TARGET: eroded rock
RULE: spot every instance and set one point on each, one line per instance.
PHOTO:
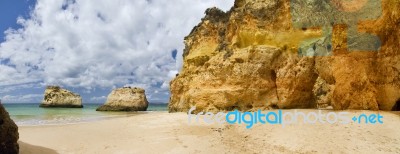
(54, 96)
(256, 56)
(8, 133)
(126, 99)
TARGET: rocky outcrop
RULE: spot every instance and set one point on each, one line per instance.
(266, 54)
(8, 133)
(126, 99)
(54, 96)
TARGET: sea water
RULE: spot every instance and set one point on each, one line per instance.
(31, 114)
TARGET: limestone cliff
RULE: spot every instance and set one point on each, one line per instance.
(54, 96)
(126, 99)
(265, 54)
(8, 133)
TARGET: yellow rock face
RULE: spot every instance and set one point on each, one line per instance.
(125, 99)
(55, 96)
(256, 56)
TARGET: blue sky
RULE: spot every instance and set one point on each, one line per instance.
(10, 10)
(93, 46)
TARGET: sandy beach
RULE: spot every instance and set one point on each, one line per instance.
(162, 132)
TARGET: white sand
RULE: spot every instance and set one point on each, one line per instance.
(161, 132)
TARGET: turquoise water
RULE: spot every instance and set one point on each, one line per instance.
(32, 114)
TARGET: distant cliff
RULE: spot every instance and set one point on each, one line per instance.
(54, 96)
(284, 54)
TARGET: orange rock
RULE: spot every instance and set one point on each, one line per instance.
(262, 55)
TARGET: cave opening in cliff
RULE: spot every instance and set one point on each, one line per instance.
(396, 106)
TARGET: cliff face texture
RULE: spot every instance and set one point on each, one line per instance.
(8, 133)
(55, 96)
(269, 54)
(126, 99)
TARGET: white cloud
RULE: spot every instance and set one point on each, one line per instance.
(98, 99)
(7, 89)
(101, 43)
(30, 98)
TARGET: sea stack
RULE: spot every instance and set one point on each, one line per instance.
(54, 96)
(126, 99)
(289, 54)
(8, 133)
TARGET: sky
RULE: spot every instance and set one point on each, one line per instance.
(10, 10)
(93, 46)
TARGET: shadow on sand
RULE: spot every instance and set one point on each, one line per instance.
(25, 148)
